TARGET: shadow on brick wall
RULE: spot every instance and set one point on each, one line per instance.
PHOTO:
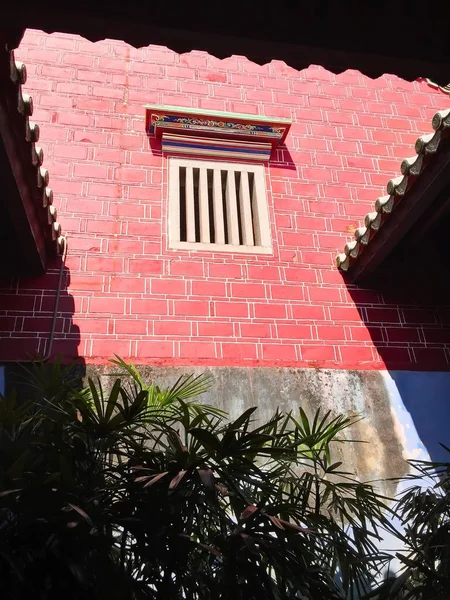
(406, 310)
(408, 320)
(35, 323)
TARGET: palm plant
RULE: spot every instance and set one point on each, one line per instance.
(132, 492)
(423, 509)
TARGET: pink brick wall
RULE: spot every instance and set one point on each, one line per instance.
(128, 294)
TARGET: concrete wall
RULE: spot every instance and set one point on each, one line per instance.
(405, 414)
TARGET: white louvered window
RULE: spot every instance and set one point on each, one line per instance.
(218, 206)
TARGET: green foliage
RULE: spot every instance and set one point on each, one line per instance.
(132, 492)
(423, 509)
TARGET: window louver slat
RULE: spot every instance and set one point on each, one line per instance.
(246, 210)
(218, 207)
(232, 213)
(204, 206)
(261, 218)
(190, 206)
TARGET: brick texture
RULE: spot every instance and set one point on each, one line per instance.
(125, 293)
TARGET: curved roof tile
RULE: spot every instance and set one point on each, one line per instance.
(18, 75)
(411, 168)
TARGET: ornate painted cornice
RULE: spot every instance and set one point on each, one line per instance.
(167, 120)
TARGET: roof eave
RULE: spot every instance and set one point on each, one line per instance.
(424, 177)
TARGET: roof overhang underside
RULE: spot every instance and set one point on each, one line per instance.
(28, 226)
(410, 40)
(410, 254)
(411, 250)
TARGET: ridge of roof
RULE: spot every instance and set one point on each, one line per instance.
(18, 76)
(426, 147)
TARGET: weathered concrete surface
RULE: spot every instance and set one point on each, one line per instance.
(380, 454)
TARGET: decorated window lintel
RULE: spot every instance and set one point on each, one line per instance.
(215, 134)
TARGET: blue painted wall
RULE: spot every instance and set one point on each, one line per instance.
(421, 401)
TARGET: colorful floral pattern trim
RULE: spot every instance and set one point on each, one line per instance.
(174, 121)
